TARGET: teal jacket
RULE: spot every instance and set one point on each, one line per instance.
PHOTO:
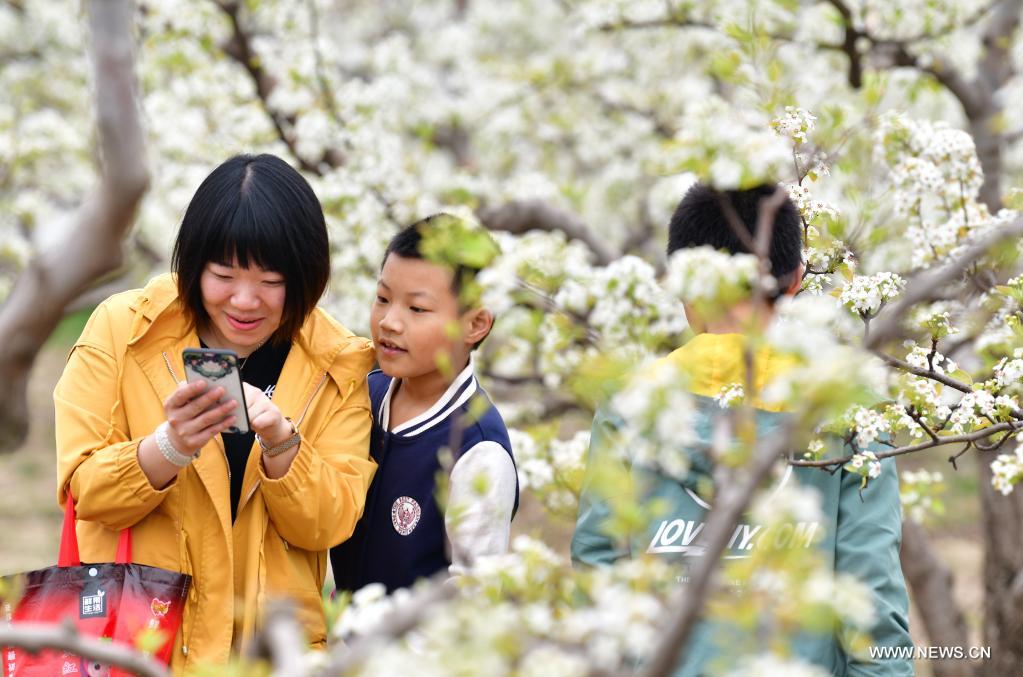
(857, 536)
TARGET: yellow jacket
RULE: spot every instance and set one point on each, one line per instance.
(110, 396)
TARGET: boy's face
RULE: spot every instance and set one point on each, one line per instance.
(417, 321)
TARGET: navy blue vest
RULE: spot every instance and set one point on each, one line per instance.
(401, 535)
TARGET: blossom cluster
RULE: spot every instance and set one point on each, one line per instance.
(929, 360)
(551, 469)
(865, 464)
(809, 207)
(936, 320)
(1008, 373)
(795, 124)
(609, 616)
(979, 408)
(705, 275)
(865, 294)
(730, 395)
(1007, 471)
(726, 147)
(867, 425)
(920, 493)
(924, 398)
(659, 419)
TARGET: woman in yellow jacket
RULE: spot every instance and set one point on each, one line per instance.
(249, 517)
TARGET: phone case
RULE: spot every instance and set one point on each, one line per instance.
(219, 368)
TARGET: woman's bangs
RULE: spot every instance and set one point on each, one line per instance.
(250, 241)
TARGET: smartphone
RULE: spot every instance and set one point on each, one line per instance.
(219, 368)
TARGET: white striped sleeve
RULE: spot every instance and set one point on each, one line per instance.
(479, 512)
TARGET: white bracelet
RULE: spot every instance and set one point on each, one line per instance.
(173, 456)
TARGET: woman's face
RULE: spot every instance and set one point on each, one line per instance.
(245, 305)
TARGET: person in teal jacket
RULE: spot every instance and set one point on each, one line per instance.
(858, 536)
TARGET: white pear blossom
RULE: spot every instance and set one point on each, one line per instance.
(795, 124)
(730, 395)
(865, 293)
(703, 274)
(1007, 471)
(866, 464)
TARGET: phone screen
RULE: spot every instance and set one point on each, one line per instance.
(219, 368)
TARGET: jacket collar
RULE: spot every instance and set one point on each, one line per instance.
(458, 393)
(713, 361)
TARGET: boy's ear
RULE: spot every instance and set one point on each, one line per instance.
(477, 324)
(797, 280)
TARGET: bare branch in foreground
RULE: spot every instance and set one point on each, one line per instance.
(280, 641)
(35, 637)
(930, 284)
(395, 625)
(92, 247)
(732, 501)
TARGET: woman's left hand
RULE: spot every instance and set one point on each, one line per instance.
(265, 418)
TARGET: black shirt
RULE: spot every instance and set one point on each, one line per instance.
(261, 369)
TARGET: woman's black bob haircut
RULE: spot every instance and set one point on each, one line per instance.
(256, 210)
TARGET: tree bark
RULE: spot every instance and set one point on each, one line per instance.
(932, 585)
(1003, 575)
(92, 248)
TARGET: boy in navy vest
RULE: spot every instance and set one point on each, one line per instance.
(425, 398)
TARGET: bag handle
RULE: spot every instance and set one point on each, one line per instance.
(68, 555)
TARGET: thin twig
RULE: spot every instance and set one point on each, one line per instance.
(942, 441)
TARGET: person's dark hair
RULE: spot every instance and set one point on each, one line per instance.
(706, 216)
(407, 243)
(259, 210)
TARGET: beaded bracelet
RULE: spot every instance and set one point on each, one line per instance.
(173, 456)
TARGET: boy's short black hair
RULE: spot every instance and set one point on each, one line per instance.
(255, 209)
(407, 243)
(702, 218)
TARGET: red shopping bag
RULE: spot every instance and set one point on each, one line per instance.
(116, 601)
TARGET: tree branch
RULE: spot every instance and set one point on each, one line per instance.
(969, 438)
(930, 283)
(926, 373)
(92, 247)
(733, 499)
(239, 48)
(521, 216)
(662, 22)
(35, 637)
(995, 67)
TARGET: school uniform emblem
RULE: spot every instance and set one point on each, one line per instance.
(405, 514)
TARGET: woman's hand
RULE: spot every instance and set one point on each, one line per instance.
(265, 418)
(195, 417)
